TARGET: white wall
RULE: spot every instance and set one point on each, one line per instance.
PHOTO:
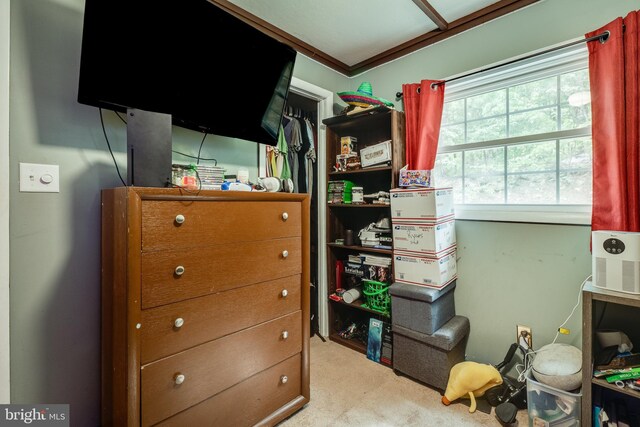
(4, 202)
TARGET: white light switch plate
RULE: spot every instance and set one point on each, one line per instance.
(36, 178)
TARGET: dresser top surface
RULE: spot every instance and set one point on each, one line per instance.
(150, 193)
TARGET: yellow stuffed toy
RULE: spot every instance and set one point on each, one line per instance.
(472, 379)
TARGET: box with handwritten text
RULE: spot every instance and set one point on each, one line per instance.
(423, 238)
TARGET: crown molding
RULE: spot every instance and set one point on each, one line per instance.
(482, 16)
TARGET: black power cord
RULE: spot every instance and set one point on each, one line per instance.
(194, 157)
(198, 158)
(104, 131)
(200, 149)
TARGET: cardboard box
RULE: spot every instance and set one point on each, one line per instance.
(376, 154)
(416, 178)
(377, 268)
(354, 269)
(425, 271)
(375, 238)
(377, 273)
(423, 238)
(344, 160)
(421, 204)
(348, 144)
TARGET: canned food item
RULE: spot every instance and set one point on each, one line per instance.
(351, 295)
(357, 195)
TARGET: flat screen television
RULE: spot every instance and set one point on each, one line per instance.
(189, 59)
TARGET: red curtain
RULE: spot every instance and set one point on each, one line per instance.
(613, 73)
(423, 112)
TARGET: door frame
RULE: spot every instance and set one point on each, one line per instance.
(324, 98)
(5, 351)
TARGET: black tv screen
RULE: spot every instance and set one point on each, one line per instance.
(188, 58)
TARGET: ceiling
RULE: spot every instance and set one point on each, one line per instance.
(352, 36)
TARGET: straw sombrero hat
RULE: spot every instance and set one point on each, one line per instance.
(363, 97)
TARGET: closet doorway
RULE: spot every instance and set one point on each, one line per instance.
(318, 104)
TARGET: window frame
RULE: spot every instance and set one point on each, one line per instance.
(563, 61)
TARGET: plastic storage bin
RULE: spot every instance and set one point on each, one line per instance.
(551, 407)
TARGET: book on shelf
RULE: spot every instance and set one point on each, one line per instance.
(380, 342)
(609, 373)
(621, 361)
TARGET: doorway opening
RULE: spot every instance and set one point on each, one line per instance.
(318, 104)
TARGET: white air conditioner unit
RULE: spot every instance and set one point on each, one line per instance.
(616, 260)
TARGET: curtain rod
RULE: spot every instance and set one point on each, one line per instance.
(602, 37)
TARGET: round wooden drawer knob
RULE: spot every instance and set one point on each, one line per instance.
(178, 322)
(284, 379)
(179, 270)
(285, 335)
(178, 379)
(179, 219)
(285, 254)
(284, 293)
(285, 216)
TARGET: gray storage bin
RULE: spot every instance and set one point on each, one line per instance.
(429, 358)
(420, 308)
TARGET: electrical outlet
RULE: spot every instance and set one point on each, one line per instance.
(524, 337)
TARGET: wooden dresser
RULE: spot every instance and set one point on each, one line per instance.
(205, 307)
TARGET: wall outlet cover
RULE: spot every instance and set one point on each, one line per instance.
(524, 337)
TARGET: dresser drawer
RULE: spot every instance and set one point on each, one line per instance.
(175, 327)
(215, 366)
(214, 269)
(214, 222)
(247, 403)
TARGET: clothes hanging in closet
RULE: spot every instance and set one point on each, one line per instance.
(294, 142)
(278, 159)
(310, 155)
(299, 134)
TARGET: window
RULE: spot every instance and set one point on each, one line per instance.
(515, 143)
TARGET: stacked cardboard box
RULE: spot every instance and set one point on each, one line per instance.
(428, 337)
(424, 238)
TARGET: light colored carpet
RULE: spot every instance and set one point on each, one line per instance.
(347, 389)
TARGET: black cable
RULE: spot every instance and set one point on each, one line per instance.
(110, 150)
(174, 151)
(194, 157)
(200, 149)
(120, 117)
(188, 190)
